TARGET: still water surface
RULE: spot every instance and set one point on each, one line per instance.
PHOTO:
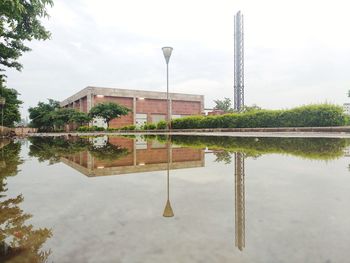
(179, 199)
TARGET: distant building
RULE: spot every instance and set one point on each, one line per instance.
(346, 107)
(146, 106)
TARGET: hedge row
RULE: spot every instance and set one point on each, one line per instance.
(148, 126)
(319, 115)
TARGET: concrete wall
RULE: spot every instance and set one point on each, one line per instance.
(139, 101)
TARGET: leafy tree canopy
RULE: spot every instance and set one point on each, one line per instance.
(47, 116)
(11, 107)
(42, 116)
(224, 105)
(254, 107)
(80, 118)
(20, 22)
(108, 111)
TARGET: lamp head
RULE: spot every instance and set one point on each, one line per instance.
(167, 53)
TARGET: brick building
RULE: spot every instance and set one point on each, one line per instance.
(146, 106)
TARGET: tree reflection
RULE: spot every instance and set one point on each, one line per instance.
(308, 148)
(19, 242)
(223, 156)
(53, 148)
(9, 160)
(108, 152)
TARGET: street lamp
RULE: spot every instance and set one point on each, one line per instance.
(167, 53)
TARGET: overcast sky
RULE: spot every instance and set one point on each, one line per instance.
(296, 52)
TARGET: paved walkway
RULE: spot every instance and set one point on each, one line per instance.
(231, 134)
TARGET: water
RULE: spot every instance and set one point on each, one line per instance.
(194, 199)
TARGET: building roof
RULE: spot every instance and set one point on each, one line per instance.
(116, 92)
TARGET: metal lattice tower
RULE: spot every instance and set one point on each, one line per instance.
(239, 62)
(239, 201)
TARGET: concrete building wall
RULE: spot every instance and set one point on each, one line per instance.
(123, 120)
(186, 107)
(153, 104)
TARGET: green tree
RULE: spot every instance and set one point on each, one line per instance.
(224, 105)
(80, 118)
(64, 116)
(20, 21)
(48, 116)
(254, 107)
(11, 107)
(108, 111)
(43, 115)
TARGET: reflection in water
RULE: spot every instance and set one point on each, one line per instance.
(52, 149)
(223, 156)
(239, 201)
(19, 241)
(116, 155)
(168, 211)
(309, 148)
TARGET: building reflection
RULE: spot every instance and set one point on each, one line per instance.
(141, 156)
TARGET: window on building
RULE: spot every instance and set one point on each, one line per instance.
(157, 118)
(141, 119)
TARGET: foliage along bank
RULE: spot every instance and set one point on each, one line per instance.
(317, 115)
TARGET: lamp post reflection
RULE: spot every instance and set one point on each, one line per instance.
(168, 211)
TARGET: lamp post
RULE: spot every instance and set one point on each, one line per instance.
(167, 53)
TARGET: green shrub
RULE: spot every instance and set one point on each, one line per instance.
(83, 128)
(151, 126)
(192, 122)
(162, 125)
(95, 128)
(319, 115)
(90, 129)
(112, 129)
(148, 126)
(128, 128)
